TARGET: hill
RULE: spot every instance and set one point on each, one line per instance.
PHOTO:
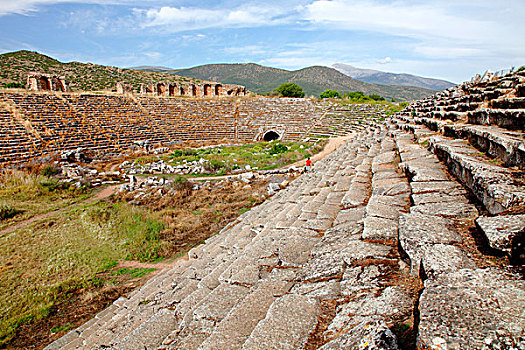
(14, 67)
(313, 80)
(386, 78)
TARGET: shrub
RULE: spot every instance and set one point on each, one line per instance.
(14, 85)
(354, 95)
(330, 94)
(278, 148)
(290, 90)
(50, 170)
(7, 211)
(376, 97)
(180, 183)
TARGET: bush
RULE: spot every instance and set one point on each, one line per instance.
(14, 86)
(180, 183)
(278, 148)
(290, 90)
(7, 211)
(50, 170)
(376, 97)
(355, 95)
(330, 94)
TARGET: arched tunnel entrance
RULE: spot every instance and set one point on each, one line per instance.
(270, 136)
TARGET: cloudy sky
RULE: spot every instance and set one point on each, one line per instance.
(449, 39)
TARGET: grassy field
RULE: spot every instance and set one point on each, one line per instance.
(43, 263)
(226, 159)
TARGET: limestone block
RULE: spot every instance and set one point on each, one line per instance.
(371, 334)
(392, 303)
(377, 228)
(237, 326)
(289, 321)
(504, 232)
(417, 232)
(469, 308)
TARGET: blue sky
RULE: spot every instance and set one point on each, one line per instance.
(445, 39)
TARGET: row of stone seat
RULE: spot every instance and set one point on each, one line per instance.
(487, 158)
(265, 281)
(466, 302)
(318, 266)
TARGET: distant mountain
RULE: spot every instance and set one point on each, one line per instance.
(313, 80)
(385, 78)
(14, 67)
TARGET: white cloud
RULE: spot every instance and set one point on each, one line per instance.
(26, 7)
(385, 60)
(447, 29)
(176, 19)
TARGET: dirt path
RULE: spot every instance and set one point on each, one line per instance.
(104, 193)
(332, 145)
(160, 265)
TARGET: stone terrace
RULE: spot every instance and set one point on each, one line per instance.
(378, 238)
(40, 124)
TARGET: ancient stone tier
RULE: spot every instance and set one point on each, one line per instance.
(38, 125)
(193, 90)
(46, 82)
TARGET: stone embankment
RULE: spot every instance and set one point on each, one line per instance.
(379, 247)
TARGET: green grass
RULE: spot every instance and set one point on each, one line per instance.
(64, 328)
(32, 195)
(135, 273)
(41, 264)
(261, 155)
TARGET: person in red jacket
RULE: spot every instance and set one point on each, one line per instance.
(308, 165)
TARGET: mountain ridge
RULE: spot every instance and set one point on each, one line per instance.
(14, 67)
(313, 80)
(386, 78)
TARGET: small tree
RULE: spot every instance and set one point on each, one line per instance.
(376, 97)
(290, 90)
(14, 85)
(354, 95)
(330, 94)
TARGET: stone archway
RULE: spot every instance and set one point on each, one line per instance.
(171, 89)
(271, 135)
(218, 90)
(161, 89)
(45, 84)
(207, 90)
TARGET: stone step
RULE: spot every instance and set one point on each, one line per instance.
(287, 325)
(499, 189)
(233, 331)
(476, 309)
(512, 119)
(508, 146)
(198, 325)
(505, 233)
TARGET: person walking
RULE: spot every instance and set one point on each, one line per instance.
(308, 165)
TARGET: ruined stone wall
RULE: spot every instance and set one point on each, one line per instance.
(191, 90)
(47, 82)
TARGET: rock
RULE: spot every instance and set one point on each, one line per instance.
(505, 233)
(370, 334)
(289, 321)
(417, 232)
(472, 305)
(393, 303)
